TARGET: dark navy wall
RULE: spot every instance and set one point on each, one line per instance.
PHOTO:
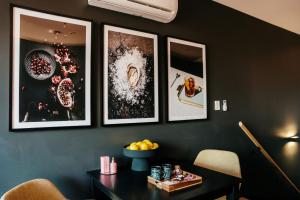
(252, 64)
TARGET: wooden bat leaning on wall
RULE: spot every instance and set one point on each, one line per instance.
(265, 153)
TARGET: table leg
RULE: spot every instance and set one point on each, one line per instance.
(234, 194)
(91, 189)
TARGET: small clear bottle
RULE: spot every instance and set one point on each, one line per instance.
(113, 166)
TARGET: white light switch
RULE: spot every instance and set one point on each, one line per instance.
(217, 105)
(224, 105)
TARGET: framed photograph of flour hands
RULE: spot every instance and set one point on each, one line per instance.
(51, 70)
(130, 69)
(187, 98)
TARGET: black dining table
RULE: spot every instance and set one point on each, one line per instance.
(133, 185)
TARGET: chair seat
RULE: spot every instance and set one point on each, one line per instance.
(37, 189)
(226, 162)
(221, 198)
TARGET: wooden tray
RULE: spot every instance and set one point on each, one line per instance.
(171, 186)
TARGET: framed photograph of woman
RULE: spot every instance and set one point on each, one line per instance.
(51, 70)
(186, 80)
(130, 76)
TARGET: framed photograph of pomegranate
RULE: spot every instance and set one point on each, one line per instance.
(51, 70)
(130, 76)
(186, 80)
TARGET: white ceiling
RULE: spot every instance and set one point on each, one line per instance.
(282, 13)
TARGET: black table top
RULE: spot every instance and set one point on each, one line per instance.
(128, 184)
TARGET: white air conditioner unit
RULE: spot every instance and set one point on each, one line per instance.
(158, 10)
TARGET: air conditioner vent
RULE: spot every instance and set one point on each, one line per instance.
(159, 10)
(150, 5)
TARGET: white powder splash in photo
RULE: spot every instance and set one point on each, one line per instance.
(120, 80)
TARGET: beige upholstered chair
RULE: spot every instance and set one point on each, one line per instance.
(37, 189)
(226, 162)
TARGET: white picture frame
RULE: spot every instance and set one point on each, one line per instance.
(123, 103)
(186, 61)
(42, 33)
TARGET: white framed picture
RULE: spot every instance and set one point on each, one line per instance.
(130, 88)
(187, 98)
(51, 70)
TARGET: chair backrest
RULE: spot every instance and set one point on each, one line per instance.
(36, 189)
(226, 162)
